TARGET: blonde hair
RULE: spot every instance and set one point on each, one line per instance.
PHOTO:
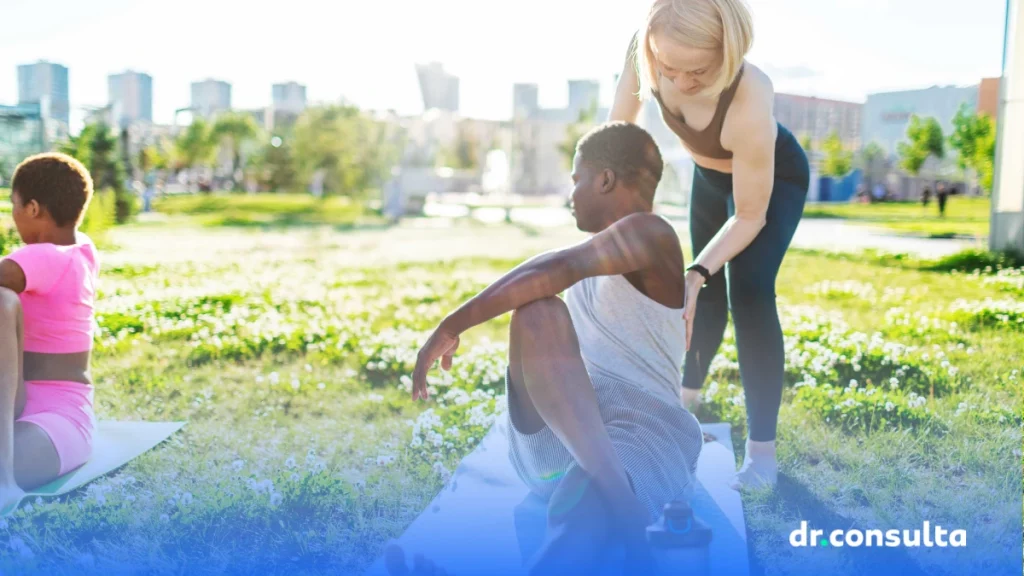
(725, 26)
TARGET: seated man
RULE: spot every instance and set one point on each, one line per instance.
(593, 383)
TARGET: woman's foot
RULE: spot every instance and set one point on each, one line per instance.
(760, 467)
(10, 495)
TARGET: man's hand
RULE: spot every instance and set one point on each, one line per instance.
(441, 344)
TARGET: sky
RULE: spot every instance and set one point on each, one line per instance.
(365, 51)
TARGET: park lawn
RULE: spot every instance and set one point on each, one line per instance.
(289, 353)
(964, 216)
(263, 210)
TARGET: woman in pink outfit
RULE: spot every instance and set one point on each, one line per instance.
(47, 290)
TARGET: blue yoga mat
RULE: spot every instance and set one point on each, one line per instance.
(486, 521)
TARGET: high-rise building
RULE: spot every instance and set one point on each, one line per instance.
(46, 84)
(439, 89)
(524, 100)
(583, 94)
(818, 118)
(21, 135)
(886, 115)
(289, 97)
(131, 97)
(210, 97)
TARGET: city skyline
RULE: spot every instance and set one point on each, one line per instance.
(860, 47)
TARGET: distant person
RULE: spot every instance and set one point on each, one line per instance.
(941, 194)
(878, 194)
(750, 184)
(926, 196)
(47, 290)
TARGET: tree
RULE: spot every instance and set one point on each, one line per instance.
(276, 163)
(974, 139)
(873, 160)
(194, 147)
(575, 131)
(96, 146)
(232, 130)
(925, 139)
(838, 161)
(807, 144)
(354, 150)
(465, 154)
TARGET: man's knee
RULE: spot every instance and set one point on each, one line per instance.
(540, 317)
(10, 304)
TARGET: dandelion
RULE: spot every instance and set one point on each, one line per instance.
(274, 378)
(237, 465)
(290, 462)
(19, 546)
(275, 499)
(321, 386)
(186, 498)
(889, 406)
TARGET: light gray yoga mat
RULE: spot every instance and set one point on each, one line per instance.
(485, 521)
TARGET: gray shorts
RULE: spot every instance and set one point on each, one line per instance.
(658, 444)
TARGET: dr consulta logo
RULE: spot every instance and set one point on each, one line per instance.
(926, 536)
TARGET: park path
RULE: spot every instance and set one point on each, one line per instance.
(813, 233)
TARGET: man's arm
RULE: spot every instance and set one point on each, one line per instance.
(12, 276)
(631, 244)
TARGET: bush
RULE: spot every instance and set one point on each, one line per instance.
(970, 260)
(99, 216)
(10, 240)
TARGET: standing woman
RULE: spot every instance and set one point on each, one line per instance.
(750, 183)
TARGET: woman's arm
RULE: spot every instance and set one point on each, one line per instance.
(753, 176)
(626, 105)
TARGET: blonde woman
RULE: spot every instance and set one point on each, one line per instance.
(749, 187)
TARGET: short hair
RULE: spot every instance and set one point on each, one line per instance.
(627, 150)
(58, 182)
(725, 26)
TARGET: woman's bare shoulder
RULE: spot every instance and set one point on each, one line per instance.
(752, 108)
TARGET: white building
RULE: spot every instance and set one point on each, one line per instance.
(439, 88)
(210, 97)
(289, 97)
(886, 115)
(130, 97)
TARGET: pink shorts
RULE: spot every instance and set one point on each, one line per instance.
(64, 411)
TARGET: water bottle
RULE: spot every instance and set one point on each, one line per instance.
(679, 541)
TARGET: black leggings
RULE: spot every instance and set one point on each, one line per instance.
(747, 286)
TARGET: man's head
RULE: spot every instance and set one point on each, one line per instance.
(49, 191)
(615, 173)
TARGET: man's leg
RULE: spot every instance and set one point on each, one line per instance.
(553, 384)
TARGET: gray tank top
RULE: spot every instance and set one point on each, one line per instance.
(626, 336)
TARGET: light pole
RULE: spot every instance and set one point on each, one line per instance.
(1007, 219)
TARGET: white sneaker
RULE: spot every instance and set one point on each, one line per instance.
(759, 469)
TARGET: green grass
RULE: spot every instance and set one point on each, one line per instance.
(964, 216)
(5, 200)
(266, 210)
(288, 352)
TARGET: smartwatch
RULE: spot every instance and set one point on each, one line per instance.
(700, 270)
